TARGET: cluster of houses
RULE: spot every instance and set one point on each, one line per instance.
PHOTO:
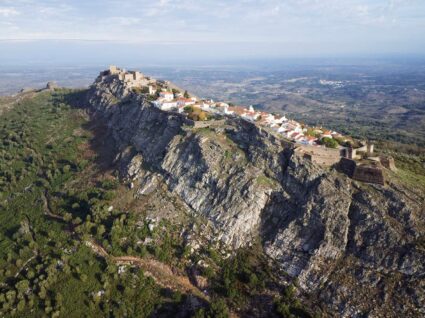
(290, 129)
(171, 99)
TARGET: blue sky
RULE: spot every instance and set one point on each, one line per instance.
(238, 27)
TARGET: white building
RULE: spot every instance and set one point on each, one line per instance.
(206, 105)
(168, 105)
(292, 125)
(224, 108)
(280, 120)
(327, 134)
(182, 102)
(251, 116)
(168, 96)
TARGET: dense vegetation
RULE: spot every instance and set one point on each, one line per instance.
(65, 236)
(45, 268)
(195, 113)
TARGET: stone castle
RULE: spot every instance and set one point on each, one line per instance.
(131, 79)
(358, 163)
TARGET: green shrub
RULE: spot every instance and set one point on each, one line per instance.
(329, 142)
(218, 309)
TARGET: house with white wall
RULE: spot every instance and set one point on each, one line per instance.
(168, 96)
(168, 105)
(183, 102)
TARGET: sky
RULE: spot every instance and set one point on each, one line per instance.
(35, 30)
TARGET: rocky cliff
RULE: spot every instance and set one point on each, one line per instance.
(358, 248)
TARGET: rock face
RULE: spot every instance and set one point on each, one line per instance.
(358, 248)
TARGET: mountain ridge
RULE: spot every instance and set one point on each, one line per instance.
(321, 227)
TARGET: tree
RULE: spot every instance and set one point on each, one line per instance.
(21, 305)
(83, 277)
(218, 309)
(66, 168)
(283, 309)
(330, 142)
(77, 221)
(22, 286)
(42, 293)
(67, 217)
(100, 230)
(202, 116)
(186, 94)
(200, 313)
(11, 296)
(188, 109)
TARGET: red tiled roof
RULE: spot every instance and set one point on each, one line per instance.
(238, 110)
(185, 100)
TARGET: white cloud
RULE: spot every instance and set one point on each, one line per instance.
(8, 12)
(308, 22)
(125, 21)
(54, 10)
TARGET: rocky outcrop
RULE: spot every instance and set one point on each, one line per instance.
(358, 248)
(51, 86)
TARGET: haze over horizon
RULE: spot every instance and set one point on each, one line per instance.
(99, 32)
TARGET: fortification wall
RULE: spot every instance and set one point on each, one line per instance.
(209, 123)
(369, 174)
(388, 162)
(319, 155)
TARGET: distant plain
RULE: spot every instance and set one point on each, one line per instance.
(373, 100)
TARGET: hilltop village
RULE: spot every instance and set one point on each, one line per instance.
(317, 144)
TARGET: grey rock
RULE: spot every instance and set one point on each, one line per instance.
(356, 248)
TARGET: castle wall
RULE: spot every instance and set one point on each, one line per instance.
(209, 123)
(128, 77)
(388, 162)
(369, 174)
(113, 70)
(320, 155)
(138, 76)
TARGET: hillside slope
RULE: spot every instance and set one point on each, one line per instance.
(359, 248)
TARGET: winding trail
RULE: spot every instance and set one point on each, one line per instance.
(25, 264)
(48, 210)
(160, 272)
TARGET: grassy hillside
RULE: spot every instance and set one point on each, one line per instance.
(45, 267)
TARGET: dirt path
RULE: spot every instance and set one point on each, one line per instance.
(160, 272)
(26, 263)
(48, 210)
